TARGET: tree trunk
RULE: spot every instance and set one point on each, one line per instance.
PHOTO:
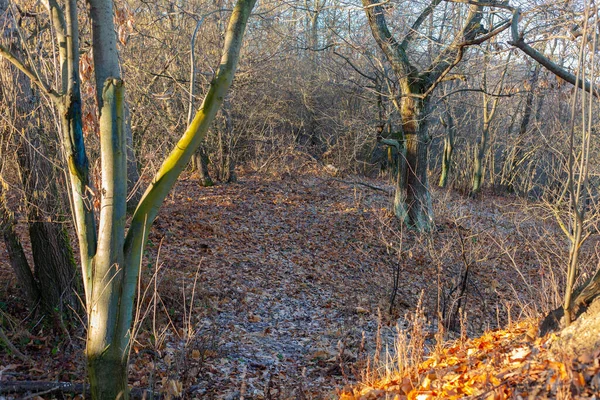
(200, 164)
(106, 64)
(16, 255)
(412, 202)
(54, 265)
(116, 264)
(448, 123)
(107, 346)
(480, 150)
(226, 138)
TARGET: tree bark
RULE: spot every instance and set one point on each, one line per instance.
(412, 203)
(106, 64)
(54, 265)
(107, 340)
(16, 254)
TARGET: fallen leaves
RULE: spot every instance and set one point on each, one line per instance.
(498, 365)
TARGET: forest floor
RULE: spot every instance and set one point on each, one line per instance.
(280, 286)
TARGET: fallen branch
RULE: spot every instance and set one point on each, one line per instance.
(360, 183)
(37, 388)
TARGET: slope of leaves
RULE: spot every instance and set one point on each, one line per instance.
(500, 364)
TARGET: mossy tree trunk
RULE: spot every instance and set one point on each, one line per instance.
(447, 121)
(412, 201)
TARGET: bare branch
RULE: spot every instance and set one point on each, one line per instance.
(519, 42)
(395, 53)
(413, 29)
(7, 55)
(358, 71)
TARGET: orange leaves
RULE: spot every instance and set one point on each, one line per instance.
(496, 366)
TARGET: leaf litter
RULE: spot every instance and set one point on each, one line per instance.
(278, 287)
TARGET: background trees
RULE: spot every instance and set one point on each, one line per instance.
(318, 82)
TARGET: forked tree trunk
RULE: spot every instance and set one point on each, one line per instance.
(412, 203)
(115, 272)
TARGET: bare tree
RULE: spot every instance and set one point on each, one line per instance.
(110, 256)
(412, 203)
(51, 281)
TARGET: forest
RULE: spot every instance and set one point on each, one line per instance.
(299, 199)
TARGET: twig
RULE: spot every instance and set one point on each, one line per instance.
(12, 347)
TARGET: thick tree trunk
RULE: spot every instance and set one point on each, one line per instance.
(16, 254)
(412, 202)
(53, 281)
(54, 265)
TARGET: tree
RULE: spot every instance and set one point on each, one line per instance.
(489, 110)
(110, 256)
(50, 284)
(577, 299)
(412, 202)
